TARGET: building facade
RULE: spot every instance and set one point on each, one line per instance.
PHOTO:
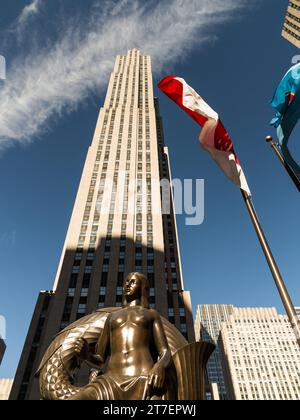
(5, 388)
(298, 312)
(260, 356)
(291, 26)
(207, 327)
(117, 225)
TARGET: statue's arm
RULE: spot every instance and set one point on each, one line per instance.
(161, 343)
(157, 373)
(103, 344)
(94, 360)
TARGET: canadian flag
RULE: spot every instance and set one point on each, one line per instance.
(213, 137)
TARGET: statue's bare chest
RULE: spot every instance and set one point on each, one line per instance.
(130, 318)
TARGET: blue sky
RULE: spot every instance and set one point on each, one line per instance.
(59, 55)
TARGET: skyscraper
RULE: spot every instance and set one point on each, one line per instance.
(117, 225)
(298, 312)
(260, 355)
(207, 327)
(291, 26)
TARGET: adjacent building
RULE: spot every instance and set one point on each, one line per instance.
(260, 355)
(291, 27)
(117, 225)
(208, 323)
(5, 388)
(298, 312)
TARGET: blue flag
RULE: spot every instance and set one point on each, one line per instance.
(286, 101)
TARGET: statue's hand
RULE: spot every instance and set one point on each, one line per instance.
(82, 348)
(156, 377)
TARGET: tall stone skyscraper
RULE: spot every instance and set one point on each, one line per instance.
(260, 355)
(208, 324)
(117, 225)
(291, 26)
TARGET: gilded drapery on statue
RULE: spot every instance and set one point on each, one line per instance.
(135, 354)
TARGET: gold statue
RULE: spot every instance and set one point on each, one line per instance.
(137, 355)
(133, 337)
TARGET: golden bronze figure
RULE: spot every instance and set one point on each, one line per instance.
(137, 355)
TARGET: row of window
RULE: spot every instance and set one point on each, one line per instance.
(293, 25)
(294, 5)
(293, 34)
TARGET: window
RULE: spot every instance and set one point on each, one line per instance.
(170, 312)
(102, 291)
(82, 238)
(183, 328)
(181, 311)
(81, 308)
(84, 292)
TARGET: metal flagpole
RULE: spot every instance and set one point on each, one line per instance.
(284, 294)
(295, 179)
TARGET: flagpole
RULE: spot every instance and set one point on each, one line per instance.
(293, 176)
(284, 294)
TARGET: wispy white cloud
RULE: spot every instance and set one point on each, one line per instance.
(29, 11)
(17, 31)
(56, 80)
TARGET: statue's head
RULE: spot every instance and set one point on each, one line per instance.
(136, 286)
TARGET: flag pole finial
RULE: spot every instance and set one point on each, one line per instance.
(291, 173)
(269, 139)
